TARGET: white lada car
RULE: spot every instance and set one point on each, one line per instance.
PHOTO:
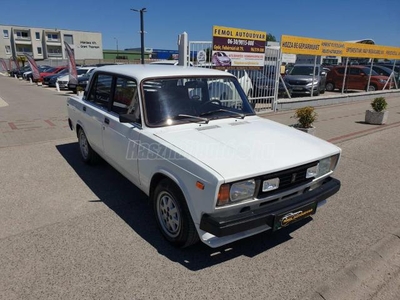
(189, 139)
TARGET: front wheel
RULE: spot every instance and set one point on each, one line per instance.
(172, 215)
(329, 87)
(371, 88)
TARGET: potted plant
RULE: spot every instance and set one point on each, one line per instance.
(79, 90)
(378, 115)
(305, 116)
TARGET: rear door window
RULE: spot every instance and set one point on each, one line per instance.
(100, 91)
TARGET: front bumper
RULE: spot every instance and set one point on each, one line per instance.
(265, 215)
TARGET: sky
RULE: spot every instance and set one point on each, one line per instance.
(341, 20)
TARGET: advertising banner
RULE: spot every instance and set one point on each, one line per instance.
(34, 67)
(310, 46)
(73, 74)
(238, 48)
(3, 64)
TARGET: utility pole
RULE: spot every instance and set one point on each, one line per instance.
(116, 40)
(141, 11)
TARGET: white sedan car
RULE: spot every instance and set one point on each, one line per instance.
(213, 170)
(64, 80)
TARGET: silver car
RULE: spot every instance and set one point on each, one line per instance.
(300, 77)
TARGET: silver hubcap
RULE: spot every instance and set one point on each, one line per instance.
(168, 214)
(83, 143)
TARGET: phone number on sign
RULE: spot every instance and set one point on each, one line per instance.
(240, 42)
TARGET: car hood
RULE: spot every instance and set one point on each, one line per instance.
(239, 149)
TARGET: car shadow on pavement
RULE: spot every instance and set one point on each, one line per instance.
(133, 206)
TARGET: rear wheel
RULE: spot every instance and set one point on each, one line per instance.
(329, 87)
(172, 215)
(88, 155)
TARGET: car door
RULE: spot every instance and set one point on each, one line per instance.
(357, 79)
(120, 140)
(95, 107)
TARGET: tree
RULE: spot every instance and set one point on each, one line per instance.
(271, 38)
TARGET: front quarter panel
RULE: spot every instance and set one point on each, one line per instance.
(157, 157)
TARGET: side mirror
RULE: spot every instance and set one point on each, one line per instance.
(127, 118)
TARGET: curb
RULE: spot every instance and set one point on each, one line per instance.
(365, 277)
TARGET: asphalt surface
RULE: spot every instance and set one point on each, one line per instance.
(69, 231)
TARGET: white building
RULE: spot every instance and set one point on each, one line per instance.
(48, 43)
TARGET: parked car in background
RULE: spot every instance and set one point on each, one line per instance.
(301, 77)
(51, 71)
(220, 59)
(19, 72)
(264, 86)
(42, 68)
(356, 79)
(50, 80)
(82, 81)
(64, 79)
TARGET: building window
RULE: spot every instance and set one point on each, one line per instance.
(52, 36)
(5, 33)
(22, 34)
(37, 34)
(69, 39)
(24, 49)
(39, 50)
(8, 49)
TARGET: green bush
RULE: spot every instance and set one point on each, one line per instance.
(305, 116)
(379, 104)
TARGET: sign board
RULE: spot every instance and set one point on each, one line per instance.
(310, 46)
(201, 57)
(238, 48)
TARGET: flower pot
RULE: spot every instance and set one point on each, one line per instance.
(312, 130)
(80, 93)
(376, 118)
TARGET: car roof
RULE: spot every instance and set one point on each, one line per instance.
(153, 70)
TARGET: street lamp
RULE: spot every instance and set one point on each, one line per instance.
(116, 40)
(141, 11)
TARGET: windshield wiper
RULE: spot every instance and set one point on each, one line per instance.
(241, 116)
(205, 120)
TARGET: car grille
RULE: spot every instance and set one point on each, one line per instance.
(288, 179)
(298, 82)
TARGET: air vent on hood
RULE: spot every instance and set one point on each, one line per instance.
(207, 127)
(238, 123)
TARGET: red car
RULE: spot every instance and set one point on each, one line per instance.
(51, 71)
(356, 79)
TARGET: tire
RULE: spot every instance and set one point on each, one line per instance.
(172, 215)
(88, 155)
(330, 87)
(322, 91)
(372, 88)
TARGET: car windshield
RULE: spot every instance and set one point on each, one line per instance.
(81, 71)
(368, 70)
(193, 99)
(303, 70)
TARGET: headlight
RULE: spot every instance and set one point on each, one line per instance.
(382, 80)
(242, 190)
(236, 192)
(310, 84)
(324, 166)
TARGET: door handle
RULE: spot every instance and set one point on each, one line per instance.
(107, 120)
(84, 108)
